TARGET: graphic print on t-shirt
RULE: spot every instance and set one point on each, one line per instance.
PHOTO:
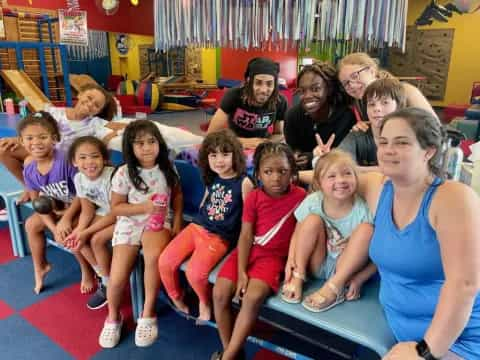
(251, 121)
(335, 241)
(58, 190)
(218, 205)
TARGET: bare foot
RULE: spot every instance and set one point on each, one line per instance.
(180, 305)
(87, 284)
(205, 312)
(39, 276)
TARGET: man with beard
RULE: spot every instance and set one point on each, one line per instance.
(323, 112)
(256, 110)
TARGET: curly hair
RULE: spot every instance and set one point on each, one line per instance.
(92, 140)
(335, 93)
(132, 132)
(248, 95)
(43, 119)
(221, 141)
(269, 148)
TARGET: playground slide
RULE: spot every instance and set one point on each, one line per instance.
(25, 88)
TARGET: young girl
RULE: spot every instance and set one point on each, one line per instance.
(48, 171)
(217, 225)
(96, 222)
(327, 219)
(147, 173)
(90, 116)
(253, 270)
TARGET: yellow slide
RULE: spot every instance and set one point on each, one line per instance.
(25, 88)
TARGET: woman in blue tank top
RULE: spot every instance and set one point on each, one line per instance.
(426, 243)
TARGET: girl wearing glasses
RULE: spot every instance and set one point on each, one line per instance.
(357, 70)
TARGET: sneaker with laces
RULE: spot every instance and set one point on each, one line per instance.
(98, 299)
(111, 333)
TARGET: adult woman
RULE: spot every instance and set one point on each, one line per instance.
(322, 111)
(426, 244)
(357, 70)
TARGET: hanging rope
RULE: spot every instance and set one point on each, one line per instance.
(337, 26)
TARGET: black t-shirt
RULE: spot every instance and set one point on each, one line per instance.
(361, 145)
(250, 121)
(300, 128)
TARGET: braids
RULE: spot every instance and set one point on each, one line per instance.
(248, 97)
(269, 148)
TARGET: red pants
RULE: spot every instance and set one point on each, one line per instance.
(206, 248)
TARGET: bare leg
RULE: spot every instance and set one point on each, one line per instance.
(253, 299)
(352, 259)
(153, 244)
(99, 243)
(223, 292)
(310, 252)
(34, 227)
(87, 283)
(123, 260)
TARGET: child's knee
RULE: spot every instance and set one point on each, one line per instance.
(34, 224)
(196, 276)
(221, 296)
(165, 264)
(253, 299)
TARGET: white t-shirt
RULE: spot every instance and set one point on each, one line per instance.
(96, 191)
(72, 129)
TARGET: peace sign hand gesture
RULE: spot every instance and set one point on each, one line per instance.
(323, 149)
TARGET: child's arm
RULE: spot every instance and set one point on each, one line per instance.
(87, 214)
(247, 186)
(64, 225)
(120, 206)
(357, 281)
(245, 242)
(177, 205)
(290, 265)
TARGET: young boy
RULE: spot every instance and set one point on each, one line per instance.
(382, 97)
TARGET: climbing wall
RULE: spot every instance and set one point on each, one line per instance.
(193, 63)
(427, 54)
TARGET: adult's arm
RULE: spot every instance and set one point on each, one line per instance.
(219, 121)
(454, 216)
(415, 98)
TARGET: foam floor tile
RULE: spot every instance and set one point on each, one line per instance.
(6, 252)
(21, 341)
(5, 310)
(16, 278)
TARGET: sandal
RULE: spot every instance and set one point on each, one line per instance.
(111, 333)
(317, 303)
(289, 289)
(146, 332)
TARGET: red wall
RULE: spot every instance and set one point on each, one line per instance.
(234, 62)
(129, 19)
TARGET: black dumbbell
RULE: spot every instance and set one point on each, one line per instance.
(43, 205)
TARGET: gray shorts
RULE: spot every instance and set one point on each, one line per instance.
(326, 270)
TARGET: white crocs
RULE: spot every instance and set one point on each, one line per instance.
(111, 333)
(146, 332)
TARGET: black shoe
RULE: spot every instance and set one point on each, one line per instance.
(98, 299)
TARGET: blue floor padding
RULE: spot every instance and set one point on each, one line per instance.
(16, 278)
(25, 342)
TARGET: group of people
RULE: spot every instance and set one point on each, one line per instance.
(377, 202)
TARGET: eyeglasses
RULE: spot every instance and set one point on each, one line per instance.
(314, 88)
(354, 77)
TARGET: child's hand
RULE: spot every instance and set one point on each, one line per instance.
(289, 267)
(361, 126)
(323, 149)
(242, 284)
(9, 144)
(354, 288)
(149, 207)
(75, 241)
(63, 229)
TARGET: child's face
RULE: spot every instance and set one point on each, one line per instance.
(275, 174)
(356, 78)
(90, 103)
(377, 109)
(38, 141)
(339, 182)
(89, 160)
(221, 163)
(146, 149)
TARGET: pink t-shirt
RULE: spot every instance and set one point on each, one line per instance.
(264, 212)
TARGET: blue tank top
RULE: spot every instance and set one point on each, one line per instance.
(411, 272)
(221, 212)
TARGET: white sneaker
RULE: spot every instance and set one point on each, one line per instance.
(111, 333)
(146, 332)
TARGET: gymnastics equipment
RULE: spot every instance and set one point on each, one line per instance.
(25, 88)
(148, 94)
(127, 87)
(43, 205)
